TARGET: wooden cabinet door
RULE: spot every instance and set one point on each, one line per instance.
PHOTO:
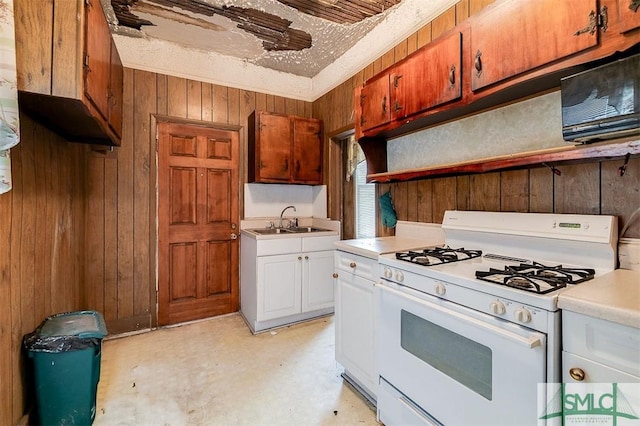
(374, 101)
(278, 288)
(427, 79)
(97, 57)
(307, 151)
(628, 15)
(116, 79)
(516, 36)
(274, 136)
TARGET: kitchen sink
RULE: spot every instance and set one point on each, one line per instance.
(298, 230)
(305, 229)
(271, 231)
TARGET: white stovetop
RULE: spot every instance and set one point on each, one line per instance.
(409, 235)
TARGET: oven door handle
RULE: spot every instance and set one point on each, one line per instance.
(529, 342)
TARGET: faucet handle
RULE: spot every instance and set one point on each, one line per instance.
(270, 225)
(294, 222)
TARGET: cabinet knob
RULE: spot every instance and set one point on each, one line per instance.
(335, 275)
(577, 374)
(452, 75)
(477, 63)
(299, 257)
(384, 104)
(352, 264)
(306, 258)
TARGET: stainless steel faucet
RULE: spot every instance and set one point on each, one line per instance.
(281, 214)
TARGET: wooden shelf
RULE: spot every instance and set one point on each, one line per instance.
(580, 153)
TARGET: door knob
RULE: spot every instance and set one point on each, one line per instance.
(234, 236)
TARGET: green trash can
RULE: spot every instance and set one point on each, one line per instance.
(65, 353)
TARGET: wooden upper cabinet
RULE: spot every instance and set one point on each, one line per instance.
(513, 37)
(374, 101)
(70, 76)
(628, 15)
(284, 149)
(307, 150)
(428, 78)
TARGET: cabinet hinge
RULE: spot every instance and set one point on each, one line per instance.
(85, 61)
(88, 3)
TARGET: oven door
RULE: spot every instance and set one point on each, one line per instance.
(458, 365)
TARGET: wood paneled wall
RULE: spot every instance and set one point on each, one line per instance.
(41, 248)
(121, 229)
(588, 188)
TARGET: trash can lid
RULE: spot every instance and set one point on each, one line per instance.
(82, 324)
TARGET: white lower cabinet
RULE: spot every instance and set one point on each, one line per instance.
(290, 284)
(285, 280)
(599, 351)
(355, 319)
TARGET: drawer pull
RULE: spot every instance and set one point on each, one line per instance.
(352, 264)
(577, 374)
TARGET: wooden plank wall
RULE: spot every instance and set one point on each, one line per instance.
(41, 248)
(121, 234)
(590, 188)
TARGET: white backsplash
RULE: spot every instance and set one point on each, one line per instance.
(524, 126)
(267, 200)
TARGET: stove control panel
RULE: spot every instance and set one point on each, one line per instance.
(490, 304)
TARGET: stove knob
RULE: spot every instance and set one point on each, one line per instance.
(399, 276)
(498, 308)
(523, 315)
(388, 273)
(440, 289)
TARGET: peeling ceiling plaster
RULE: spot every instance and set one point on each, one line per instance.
(223, 54)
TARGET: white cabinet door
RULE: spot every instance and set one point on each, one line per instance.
(279, 280)
(354, 321)
(317, 281)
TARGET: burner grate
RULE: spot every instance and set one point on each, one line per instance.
(437, 255)
(536, 278)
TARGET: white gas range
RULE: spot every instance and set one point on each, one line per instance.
(466, 336)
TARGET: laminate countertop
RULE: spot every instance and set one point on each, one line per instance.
(373, 247)
(614, 297)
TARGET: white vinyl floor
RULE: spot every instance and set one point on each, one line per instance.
(215, 372)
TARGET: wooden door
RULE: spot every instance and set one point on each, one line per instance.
(429, 78)
(307, 151)
(197, 222)
(516, 36)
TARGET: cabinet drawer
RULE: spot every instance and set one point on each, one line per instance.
(278, 246)
(319, 243)
(594, 372)
(357, 265)
(609, 343)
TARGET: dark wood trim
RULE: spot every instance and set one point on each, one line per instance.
(191, 122)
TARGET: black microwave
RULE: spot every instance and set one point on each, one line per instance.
(603, 102)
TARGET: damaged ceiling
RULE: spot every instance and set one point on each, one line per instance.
(300, 38)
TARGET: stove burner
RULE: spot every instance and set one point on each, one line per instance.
(536, 278)
(437, 255)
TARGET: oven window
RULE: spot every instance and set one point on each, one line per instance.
(460, 358)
